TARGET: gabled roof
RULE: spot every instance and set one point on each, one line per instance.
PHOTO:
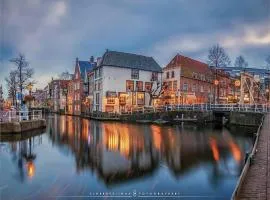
(85, 67)
(129, 60)
(188, 63)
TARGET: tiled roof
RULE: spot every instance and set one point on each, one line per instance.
(128, 60)
(188, 63)
(85, 66)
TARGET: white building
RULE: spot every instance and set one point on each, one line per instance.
(125, 81)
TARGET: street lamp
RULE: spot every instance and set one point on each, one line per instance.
(216, 82)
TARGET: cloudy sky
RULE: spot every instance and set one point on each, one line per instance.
(52, 33)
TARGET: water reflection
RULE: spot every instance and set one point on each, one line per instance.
(117, 156)
(119, 152)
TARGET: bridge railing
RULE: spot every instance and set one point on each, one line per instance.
(216, 107)
(17, 116)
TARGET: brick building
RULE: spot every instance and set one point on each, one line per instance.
(188, 81)
(78, 88)
(223, 86)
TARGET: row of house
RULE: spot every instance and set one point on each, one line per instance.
(120, 82)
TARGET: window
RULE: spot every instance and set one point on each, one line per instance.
(97, 98)
(172, 74)
(202, 89)
(148, 86)
(110, 100)
(109, 109)
(122, 99)
(129, 86)
(185, 87)
(99, 85)
(96, 85)
(96, 73)
(134, 74)
(174, 85)
(170, 86)
(140, 98)
(134, 98)
(139, 86)
(100, 72)
(154, 76)
(168, 75)
(193, 88)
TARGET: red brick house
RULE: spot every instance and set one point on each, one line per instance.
(188, 81)
(223, 87)
(78, 88)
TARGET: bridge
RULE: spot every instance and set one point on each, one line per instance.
(221, 107)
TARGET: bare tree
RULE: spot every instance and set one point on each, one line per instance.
(12, 84)
(217, 57)
(240, 62)
(64, 75)
(24, 72)
(156, 90)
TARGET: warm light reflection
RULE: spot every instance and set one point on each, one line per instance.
(236, 152)
(30, 169)
(70, 125)
(119, 138)
(156, 134)
(85, 126)
(214, 148)
(63, 124)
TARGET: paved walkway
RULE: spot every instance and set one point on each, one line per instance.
(257, 181)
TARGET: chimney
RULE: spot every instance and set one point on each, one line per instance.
(92, 59)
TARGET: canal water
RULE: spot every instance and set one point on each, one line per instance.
(78, 158)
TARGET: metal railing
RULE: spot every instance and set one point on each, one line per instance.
(217, 107)
(17, 116)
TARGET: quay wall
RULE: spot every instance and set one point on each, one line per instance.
(245, 118)
(201, 116)
(18, 127)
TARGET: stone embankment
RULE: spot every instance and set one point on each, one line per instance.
(18, 127)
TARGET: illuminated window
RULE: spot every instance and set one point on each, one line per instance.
(140, 98)
(139, 86)
(129, 86)
(109, 109)
(174, 85)
(110, 100)
(122, 99)
(170, 85)
(134, 98)
(134, 74)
